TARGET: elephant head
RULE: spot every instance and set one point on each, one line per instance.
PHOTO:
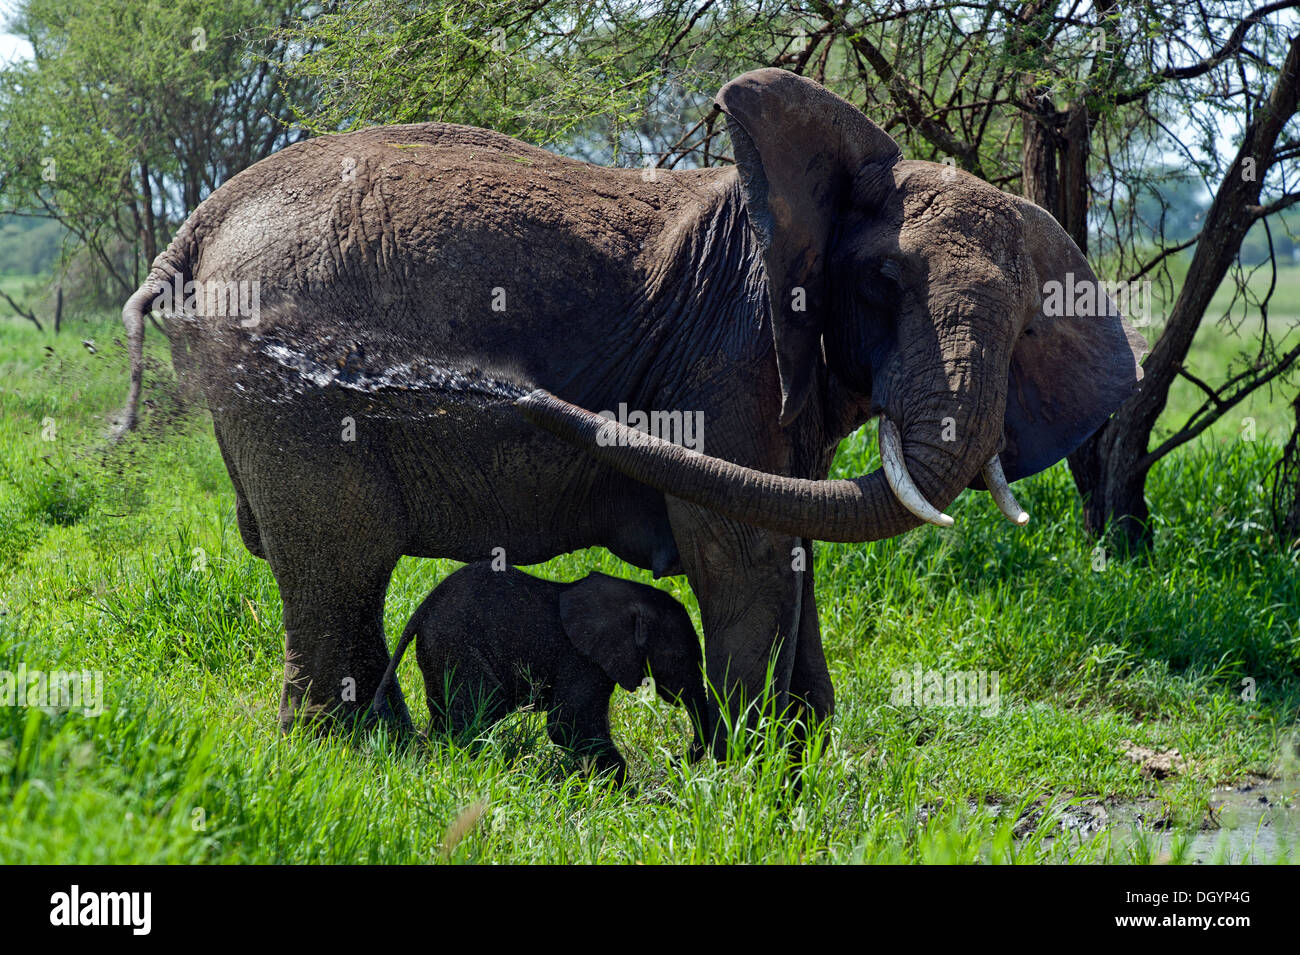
(925, 291)
(629, 629)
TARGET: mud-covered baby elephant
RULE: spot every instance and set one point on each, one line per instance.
(491, 641)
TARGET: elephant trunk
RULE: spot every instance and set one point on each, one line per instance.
(862, 509)
(794, 506)
(950, 429)
(942, 442)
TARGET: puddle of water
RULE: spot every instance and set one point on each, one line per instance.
(1255, 821)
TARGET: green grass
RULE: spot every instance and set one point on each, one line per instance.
(21, 288)
(1227, 341)
(127, 561)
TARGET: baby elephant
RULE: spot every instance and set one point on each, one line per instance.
(492, 641)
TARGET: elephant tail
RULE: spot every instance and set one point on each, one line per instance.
(380, 704)
(167, 275)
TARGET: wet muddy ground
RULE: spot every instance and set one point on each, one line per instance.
(1255, 820)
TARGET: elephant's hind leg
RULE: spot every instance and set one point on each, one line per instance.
(247, 523)
(335, 651)
(332, 530)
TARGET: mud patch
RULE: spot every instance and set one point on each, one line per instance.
(1255, 820)
(1155, 764)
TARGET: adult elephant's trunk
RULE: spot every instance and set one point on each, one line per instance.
(945, 442)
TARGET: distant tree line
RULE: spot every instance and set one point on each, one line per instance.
(29, 246)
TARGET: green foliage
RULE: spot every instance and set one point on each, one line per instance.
(151, 586)
(613, 82)
(29, 246)
(129, 114)
(468, 68)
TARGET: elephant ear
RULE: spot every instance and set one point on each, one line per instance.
(607, 628)
(1069, 372)
(802, 154)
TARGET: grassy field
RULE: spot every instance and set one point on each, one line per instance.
(127, 561)
(1228, 339)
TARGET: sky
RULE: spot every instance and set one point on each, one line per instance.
(11, 47)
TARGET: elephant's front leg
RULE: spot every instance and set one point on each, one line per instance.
(578, 720)
(812, 697)
(749, 584)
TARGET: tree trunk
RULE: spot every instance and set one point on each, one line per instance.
(1054, 162)
(150, 224)
(1285, 492)
(1039, 182)
(1111, 467)
(1075, 149)
(1111, 486)
(1054, 175)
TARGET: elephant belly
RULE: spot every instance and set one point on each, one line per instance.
(482, 484)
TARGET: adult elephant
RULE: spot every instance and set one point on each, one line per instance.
(436, 305)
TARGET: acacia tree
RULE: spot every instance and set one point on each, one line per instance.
(1110, 470)
(127, 116)
(611, 81)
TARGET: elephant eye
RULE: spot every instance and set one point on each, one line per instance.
(891, 270)
(880, 285)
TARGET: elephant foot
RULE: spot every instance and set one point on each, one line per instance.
(347, 711)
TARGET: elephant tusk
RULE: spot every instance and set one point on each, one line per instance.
(900, 482)
(996, 481)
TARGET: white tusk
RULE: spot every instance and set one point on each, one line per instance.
(996, 481)
(900, 482)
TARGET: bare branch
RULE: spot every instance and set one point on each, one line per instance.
(1285, 202)
(30, 316)
(1215, 408)
(1231, 46)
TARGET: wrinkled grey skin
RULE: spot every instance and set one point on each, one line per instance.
(489, 642)
(451, 299)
